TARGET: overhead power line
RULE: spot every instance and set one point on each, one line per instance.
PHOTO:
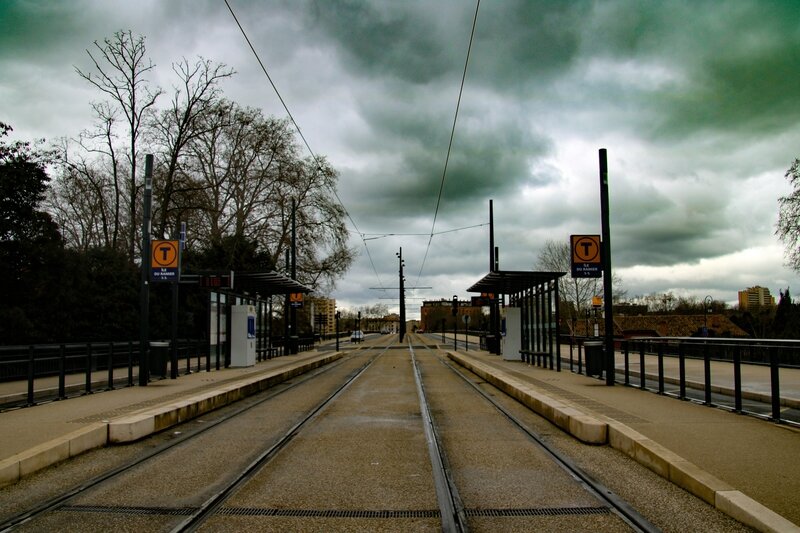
(452, 134)
(376, 236)
(300, 132)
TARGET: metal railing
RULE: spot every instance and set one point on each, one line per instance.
(36, 373)
(60, 371)
(725, 371)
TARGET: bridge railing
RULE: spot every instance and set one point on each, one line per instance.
(43, 372)
(60, 371)
(720, 369)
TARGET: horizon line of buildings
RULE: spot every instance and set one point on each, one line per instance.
(325, 308)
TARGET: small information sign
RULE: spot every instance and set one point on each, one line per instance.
(165, 260)
(296, 300)
(586, 258)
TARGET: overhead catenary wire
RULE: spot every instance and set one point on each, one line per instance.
(376, 236)
(450, 144)
(319, 165)
(300, 132)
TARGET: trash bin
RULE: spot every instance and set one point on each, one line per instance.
(159, 355)
(491, 344)
(593, 350)
(294, 344)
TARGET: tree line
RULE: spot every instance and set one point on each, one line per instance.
(72, 215)
(780, 321)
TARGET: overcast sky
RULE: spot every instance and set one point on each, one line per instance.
(697, 103)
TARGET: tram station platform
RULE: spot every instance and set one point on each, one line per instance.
(746, 467)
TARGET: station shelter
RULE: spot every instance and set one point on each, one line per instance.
(531, 316)
(240, 317)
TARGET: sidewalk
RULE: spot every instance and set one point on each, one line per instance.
(724, 454)
(736, 453)
(35, 437)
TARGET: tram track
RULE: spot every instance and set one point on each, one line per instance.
(210, 506)
(53, 504)
(616, 504)
(451, 508)
(413, 480)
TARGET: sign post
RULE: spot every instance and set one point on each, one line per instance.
(465, 318)
(586, 256)
(606, 261)
(296, 300)
(165, 260)
(144, 291)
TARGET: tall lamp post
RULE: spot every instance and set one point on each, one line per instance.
(402, 296)
(706, 309)
(455, 322)
(338, 316)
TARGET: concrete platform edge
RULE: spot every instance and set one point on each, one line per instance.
(592, 430)
(139, 425)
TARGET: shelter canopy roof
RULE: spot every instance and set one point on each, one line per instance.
(513, 281)
(267, 283)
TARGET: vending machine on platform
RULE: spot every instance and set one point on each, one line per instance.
(243, 335)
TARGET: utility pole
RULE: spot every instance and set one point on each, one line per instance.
(402, 296)
(144, 291)
(338, 315)
(455, 322)
(606, 258)
(293, 310)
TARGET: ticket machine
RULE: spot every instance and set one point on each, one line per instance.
(512, 341)
(243, 335)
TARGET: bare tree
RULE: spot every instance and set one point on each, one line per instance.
(122, 68)
(236, 161)
(88, 194)
(788, 226)
(175, 128)
(557, 257)
(251, 172)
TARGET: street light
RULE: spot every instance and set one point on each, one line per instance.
(338, 316)
(707, 309)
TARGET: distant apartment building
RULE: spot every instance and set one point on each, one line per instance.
(324, 310)
(434, 313)
(755, 297)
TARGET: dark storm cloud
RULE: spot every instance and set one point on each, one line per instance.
(695, 100)
(735, 64)
(402, 40)
(488, 157)
(19, 21)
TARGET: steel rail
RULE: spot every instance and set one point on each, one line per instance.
(453, 514)
(617, 505)
(54, 504)
(210, 506)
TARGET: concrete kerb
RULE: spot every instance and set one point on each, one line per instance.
(596, 429)
(129, 428)
(583, 426)
(133, 427)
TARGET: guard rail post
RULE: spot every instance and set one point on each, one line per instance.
(626, 354)
(110, 385)
(707, 373)
(130, 363)
(682, 371)
(30, 374)
(774, 372)
(62, 378)
(661, 368)
(88, 368)
(737, 378)
(642, 384)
